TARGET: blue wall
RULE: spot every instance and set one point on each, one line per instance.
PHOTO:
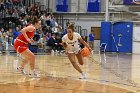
(105, 34)
(122, 33)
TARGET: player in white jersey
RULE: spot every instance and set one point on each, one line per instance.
(70, 42)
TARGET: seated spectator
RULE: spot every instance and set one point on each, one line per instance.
(43, 20)
(1, 36)
(48, 19)
(15, 14)
(4, 42)
(42, 42)
(10, 35)
(52, 42)
(48, 36)
(59, 46)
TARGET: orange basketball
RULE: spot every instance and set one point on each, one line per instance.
(85, 52)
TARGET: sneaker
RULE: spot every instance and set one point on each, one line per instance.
(92, 52)
(83, 76)
(34, 74)
(21, 70)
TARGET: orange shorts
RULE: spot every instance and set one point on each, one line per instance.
(20, 46)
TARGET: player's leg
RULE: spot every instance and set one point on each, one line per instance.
(80, 60)
(71, 57)
(30, 57)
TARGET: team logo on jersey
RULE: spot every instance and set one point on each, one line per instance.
(71, 43)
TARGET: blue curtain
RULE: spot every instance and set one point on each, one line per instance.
(61, 5)
(93, 6)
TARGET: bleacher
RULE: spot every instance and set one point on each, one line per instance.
(16, 15)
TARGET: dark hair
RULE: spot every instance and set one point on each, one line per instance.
(67, 24)
(34, 20)
(71, 26)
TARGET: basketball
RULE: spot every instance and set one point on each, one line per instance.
(85, 52)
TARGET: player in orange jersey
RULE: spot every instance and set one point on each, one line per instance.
(21, 46)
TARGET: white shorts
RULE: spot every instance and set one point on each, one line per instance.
(75, 51)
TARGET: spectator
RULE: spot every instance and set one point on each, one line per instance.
(53, 24)
(15, 14)
(91, 39)
(1, 36)
(59, 46)
(42, 42)
(65, 30)
(52, 42)
(21, 3)
(43, 19)
(10, 36)
(4, 41)
(15, 33)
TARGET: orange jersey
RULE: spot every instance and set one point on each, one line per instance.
(21, 44)
(29, 34)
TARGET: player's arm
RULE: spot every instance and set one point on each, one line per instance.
(84, 43)
(64, 45)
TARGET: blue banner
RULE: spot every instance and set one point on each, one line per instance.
(93, 6)
(62, 5)
(131, 2)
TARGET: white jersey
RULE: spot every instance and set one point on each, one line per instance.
(72, 45)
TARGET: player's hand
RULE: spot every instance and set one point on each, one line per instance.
(31, 41)
(89, 49)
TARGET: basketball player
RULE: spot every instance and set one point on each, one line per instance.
(21, 46)
(72, 48)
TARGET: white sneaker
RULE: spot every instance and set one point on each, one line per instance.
(92, 52)
(21, 70)
(34, 74)
(83, 76)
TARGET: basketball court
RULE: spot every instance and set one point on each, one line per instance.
(113, 67)
(117, 73)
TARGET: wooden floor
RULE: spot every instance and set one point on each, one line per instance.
(110, 73)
